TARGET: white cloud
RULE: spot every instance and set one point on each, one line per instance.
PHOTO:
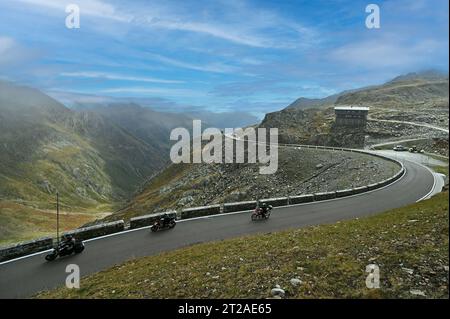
(386, 53)
(70, 98)
(211, 67)
(238, 23)
(111, 76)
(13, 54)
(6, 44)
(94, 8)
(243, 29)
(155, 91)
(222, 32)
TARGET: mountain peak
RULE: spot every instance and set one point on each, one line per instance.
(427, 75)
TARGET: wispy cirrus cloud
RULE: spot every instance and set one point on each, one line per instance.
(152, 91)
(216, 67)
(112, 76)
(244, 29)
(94, 8)
(215, 30)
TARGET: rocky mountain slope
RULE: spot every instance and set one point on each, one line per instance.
(300, 171)
(416, 97)
(142, 122)
(411, 91)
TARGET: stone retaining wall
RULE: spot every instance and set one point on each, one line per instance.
(200, 211)
(147, 220)
(97, 230)
(25, 248)
(239, 206)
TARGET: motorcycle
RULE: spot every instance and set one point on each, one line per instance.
(258, 214)
(161, 224)
(62, 250)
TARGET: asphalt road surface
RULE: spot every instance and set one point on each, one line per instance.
(434, 127)
(25, 277)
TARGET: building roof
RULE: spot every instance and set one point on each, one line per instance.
(350, 108)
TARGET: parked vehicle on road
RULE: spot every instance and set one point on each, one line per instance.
(414, 149)
(399, 148)
(164, 222)
(68, 246)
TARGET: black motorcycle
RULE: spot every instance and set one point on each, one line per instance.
(163, 223)
(65, 249)
(258, 213)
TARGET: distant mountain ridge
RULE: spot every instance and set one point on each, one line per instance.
(306, 103)
(92, 157)
(431, 79)
(428, 89)
(311, 121)
(428, 75)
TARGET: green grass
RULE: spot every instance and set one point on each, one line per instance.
(20, 223)
(440, 169)
(330, 260)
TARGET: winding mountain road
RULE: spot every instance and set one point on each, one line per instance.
(434, 127)
(26, 276)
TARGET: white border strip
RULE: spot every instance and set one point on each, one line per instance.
(434, 183)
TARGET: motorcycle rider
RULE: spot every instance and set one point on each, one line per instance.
(263, 209)
(68, 242)
(164, 220)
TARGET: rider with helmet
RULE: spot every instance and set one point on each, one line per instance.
(68, 242)
(263, 209)
(164, 219)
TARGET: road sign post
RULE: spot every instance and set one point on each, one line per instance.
(57, 218)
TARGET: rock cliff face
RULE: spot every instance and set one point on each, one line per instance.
(314, 127)
(300, 171)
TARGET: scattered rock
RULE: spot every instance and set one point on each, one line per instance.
(408, 270)
(278, 292)
(417, 292)
(185, 200)
(295, 282)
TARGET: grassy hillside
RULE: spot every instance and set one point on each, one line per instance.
(45, 147)
(93, 162)
(410, 246)
(19, 222)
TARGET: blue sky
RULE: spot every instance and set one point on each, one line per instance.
(233, 55)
